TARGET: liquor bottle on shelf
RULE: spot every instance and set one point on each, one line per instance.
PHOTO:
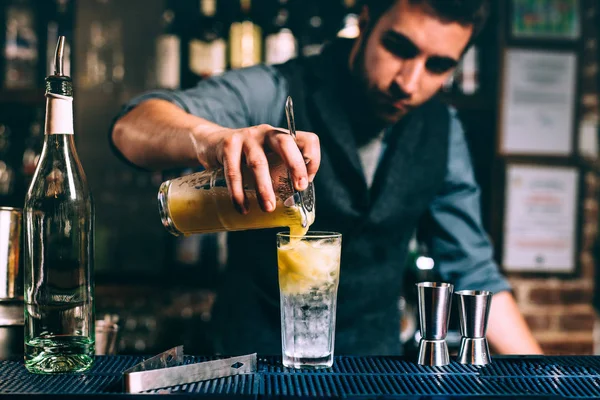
(21, 46)
(350, 28)
(168, 53)
(207, 46)
(59, 24)
(312, 31)
(5, 138)
(469, 72)
(7, 179)
(7, 172)
(245, 39)
(200, 255)
(448, 86)
(33, 148)
(59, 244)
(187, 248)
(280, 43)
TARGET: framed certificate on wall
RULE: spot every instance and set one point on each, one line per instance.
(545, 19)
(538, 103)
(540, 219)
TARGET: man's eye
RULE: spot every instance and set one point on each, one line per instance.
(400, 48)
(439, 66)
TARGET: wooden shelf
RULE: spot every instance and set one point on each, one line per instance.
(21, 96)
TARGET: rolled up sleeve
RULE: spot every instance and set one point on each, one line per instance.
(454, 231)
(236, 99)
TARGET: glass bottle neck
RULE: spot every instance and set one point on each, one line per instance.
(349, 4)
(246, 5)
(208, 8)
(59, 114)
(58, 143)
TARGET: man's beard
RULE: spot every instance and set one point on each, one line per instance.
(359, 99)
(358, 72)
(378, 104)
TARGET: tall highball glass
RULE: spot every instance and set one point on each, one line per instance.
(309, 268)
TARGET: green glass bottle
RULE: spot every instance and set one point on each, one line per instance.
(59, 244)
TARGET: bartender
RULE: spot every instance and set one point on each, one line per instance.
(391, 159)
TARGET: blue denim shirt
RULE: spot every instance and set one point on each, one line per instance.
(456, 239)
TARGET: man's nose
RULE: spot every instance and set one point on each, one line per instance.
(410, 75)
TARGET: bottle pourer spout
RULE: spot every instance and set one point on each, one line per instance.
(59, 57)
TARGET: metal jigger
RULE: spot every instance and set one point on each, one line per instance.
(474, 308)
(434, 312)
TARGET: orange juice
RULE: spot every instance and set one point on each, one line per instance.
(200, 203)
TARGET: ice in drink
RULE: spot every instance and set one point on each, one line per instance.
(309, 269)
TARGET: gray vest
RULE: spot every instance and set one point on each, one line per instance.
(376, 223)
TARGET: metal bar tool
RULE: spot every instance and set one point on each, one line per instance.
(306, 198)
(434, 312)
(166, 370)
(474, 309)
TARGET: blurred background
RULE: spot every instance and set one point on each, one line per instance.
(527, 94)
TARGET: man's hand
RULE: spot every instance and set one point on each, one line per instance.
(232, 148)
(156, 135)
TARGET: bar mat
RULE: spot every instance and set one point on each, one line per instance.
(389, 377)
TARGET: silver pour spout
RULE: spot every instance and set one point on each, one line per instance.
(59, 57)
(59, 83)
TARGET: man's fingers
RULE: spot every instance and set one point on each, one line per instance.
(311, 151)
(232, 160)
(257, 162)
(284, 145)
(302, 157)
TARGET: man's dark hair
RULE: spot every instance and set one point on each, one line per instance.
(465, 12)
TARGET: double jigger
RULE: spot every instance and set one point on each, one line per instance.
(434, 313)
